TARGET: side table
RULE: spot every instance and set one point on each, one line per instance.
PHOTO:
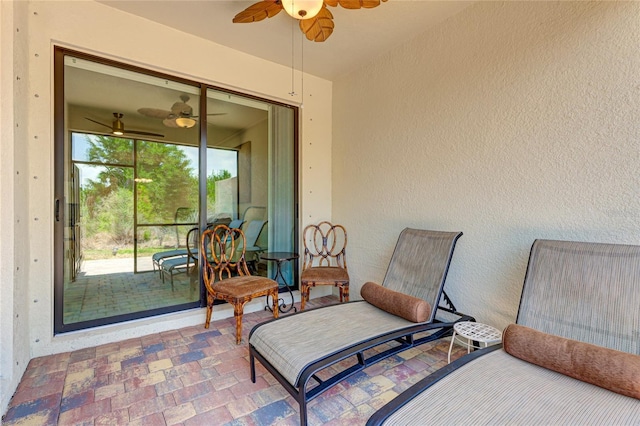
(474, 332)
(279, 257)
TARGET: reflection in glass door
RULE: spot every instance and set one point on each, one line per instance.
(131, 173)
(261, 197)
(137, 179)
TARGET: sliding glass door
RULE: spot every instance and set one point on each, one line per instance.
(144, 163)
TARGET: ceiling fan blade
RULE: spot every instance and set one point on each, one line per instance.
(138, 132)
(170, 122)
(320, 27)
(97, 122)
(155, 112)
(357, 4)
(258, 11)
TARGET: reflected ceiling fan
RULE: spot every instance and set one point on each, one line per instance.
(117, 127)
(316, 21)
(180, 115)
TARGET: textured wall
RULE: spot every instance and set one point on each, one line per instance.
(509, 122)
(14, 205)
(89, 26)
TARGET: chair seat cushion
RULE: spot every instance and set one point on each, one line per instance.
(610, 369)
(326, 331)
(244, 286)
(408, 307)
(325, 274)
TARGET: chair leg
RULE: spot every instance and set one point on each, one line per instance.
(344, 292)
(274, 297)
(238, 310)
(209, 311)
(304, 295)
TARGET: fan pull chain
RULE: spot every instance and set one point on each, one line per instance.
(292, 92)
(302, 70)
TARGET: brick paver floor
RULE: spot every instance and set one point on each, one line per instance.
(194, 376)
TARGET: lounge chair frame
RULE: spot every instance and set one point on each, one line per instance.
(404, 338)
(526, 316)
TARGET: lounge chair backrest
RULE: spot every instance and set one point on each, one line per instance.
(584, 291)
(253, 230)
(236, 223)
(420, 263)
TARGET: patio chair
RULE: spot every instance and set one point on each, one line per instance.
(324, 263)
(226, 275)
(177, 261)
(252, 233)
(571, 358)
(181, 263)
(158, 258)
(312, 340)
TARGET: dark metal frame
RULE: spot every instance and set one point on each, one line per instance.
(59, 185)
(380, 416)
(404, 336)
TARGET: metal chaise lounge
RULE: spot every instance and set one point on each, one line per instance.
(295, 349)
(572, 357)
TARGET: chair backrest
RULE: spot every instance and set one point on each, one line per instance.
(225, 254)
(253, 231)
(254, 213)
(193, 243)
(325, 244)
(236, 223)
(420, 263)
(584, 291)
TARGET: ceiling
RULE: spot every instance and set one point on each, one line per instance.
(358, 37)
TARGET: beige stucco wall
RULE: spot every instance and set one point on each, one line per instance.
(101, 30)
(14, 199)
(509, 122)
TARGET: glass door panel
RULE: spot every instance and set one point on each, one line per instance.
(136, 181)
(265, 173)
(131, 168)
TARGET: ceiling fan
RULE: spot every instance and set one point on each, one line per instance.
(180, 115)
(316, 21)
(117, 127)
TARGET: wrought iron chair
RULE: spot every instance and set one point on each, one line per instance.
(324, 260)
(226, 275)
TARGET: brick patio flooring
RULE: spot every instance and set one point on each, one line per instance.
(194, 376)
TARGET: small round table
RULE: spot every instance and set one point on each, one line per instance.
(280, 257)
(474, 332)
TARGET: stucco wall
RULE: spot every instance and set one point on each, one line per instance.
(14, 203)
(509, 122)
(101, 30)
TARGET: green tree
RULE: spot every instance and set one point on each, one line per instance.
(165, 178)
(167, 181)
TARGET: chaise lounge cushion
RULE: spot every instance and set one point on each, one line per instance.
(610, 369)
(408, 307)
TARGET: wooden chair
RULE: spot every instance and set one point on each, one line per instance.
(226, 275)
(324, 260)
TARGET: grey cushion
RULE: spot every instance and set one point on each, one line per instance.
(498, 389)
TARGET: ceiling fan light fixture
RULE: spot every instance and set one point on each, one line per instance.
(118, 125)
(302, 9)
(185, 122)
